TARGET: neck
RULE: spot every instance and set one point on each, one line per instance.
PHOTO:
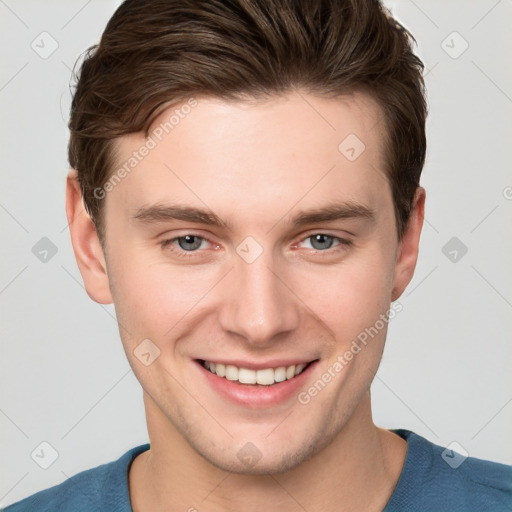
(358, 470)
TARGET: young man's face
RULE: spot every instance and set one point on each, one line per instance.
(260, 291)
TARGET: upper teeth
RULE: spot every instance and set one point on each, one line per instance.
(265, 377)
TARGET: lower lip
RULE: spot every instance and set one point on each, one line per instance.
(256, 395)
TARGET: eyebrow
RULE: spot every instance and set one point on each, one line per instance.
(334, 211)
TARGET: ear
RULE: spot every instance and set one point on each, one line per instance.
(407, 253)
(86, 244)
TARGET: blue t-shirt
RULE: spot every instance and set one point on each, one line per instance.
(433, 479)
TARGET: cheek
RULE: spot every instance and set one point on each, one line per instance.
(349, 297)
(151, 297)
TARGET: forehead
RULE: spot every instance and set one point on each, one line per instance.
(244, 156)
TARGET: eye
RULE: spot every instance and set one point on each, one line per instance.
(181, 245)
(189, 245)
(189, 242)
(323, 242)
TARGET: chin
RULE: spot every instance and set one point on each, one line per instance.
(277, 463)
(263, 457)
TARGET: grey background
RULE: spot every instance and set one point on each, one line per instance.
(446, 368)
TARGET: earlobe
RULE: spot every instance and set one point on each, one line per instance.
(407, 254)
(86, 245)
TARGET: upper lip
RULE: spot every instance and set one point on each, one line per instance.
(253, 365)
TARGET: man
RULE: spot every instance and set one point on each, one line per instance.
(250, 176)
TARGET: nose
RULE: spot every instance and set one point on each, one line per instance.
(258, 303)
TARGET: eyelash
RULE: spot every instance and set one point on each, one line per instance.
(343, 243)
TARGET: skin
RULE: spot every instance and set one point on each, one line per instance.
(256, 165)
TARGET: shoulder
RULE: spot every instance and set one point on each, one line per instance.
(104, 487)
(445, 478)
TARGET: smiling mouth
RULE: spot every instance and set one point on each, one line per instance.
(263, 377)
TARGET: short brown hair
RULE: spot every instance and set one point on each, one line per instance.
(154, 53)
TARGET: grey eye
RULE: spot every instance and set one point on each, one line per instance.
(189, 242)
(321, 241)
